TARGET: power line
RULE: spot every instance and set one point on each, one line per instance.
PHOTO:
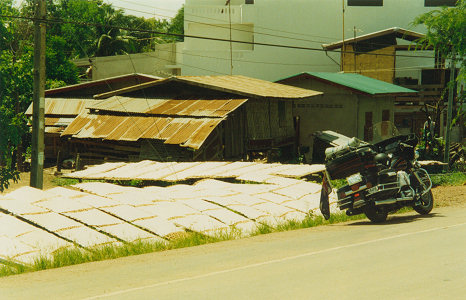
(215, 19)
(87, 24)
(235, 29)
(269, 63)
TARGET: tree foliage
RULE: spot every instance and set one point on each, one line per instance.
(446, 33)
(446, 30)
(76, 29)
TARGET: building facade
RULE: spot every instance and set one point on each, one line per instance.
(303, 25)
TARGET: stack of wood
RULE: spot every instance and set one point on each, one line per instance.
(456, 153)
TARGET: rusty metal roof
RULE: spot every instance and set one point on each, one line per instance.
(58, 122)
(186, 132)
(64, 106)
(249, 86)
(193, 108)
(106, 83)
(235, 84)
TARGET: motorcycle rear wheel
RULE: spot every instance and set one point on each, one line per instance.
(375, 214)
(427, 203)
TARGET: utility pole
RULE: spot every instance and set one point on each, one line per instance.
(38, 98)
(231, 45)
(343, 36)
(451, 91)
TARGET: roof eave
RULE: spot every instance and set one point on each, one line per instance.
(236, 92)
(132, 88)
(395, 94)
(399, 32)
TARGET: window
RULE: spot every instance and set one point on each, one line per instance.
(430, 3)
(249, 2)
(365, 2)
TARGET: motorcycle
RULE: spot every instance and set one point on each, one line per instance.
(380, 178)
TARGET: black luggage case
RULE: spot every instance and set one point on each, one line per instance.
(353, 162)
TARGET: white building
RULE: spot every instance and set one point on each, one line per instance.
(296, 23)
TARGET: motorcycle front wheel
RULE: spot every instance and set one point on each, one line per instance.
(427, 203)
(375, 214)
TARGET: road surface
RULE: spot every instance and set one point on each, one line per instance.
(409, 257)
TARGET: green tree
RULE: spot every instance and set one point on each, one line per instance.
(177, 24)
(16, 83)
(446, 33)
(446, 30)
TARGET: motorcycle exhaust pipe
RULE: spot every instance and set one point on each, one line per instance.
(392, 201)
(386, 201)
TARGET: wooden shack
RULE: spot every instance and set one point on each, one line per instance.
(189, 119)
(63, 104)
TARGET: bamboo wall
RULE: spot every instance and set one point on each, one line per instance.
(378, 64)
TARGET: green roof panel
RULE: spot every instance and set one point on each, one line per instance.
(359, 82)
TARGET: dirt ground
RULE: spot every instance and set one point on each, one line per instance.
(443, 195)
(25, 179)
(449, 196)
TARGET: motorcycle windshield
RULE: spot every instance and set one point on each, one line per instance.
(382, 131)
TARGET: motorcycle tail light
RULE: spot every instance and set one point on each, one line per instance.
(356, 196)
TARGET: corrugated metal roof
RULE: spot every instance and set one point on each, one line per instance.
(249, 86)
(64, 106)
(358, 82)
(187, 132)
(398, 32)
(58, 122)
(235, 84)
(106, 83)
(197, 108)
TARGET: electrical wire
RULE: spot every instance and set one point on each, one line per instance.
(215, 19)
(87, 24)
(236, 29)
(418, 67)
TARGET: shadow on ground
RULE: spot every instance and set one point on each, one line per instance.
(398, 219)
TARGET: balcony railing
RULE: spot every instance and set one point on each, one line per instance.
(214, 14)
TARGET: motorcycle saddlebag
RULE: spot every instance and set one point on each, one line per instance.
(350, 163)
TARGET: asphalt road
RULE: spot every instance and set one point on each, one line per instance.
(409, 257)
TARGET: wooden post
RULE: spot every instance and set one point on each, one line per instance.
(77, 163)
(451, 91)
(59, 161)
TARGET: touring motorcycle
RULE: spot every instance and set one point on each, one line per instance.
(380, 178)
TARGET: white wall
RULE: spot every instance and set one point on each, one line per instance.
(301, 23)
(162, 62)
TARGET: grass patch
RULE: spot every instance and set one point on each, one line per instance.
(60, 181)
(309, 221)
(448, 179)
(73, 256)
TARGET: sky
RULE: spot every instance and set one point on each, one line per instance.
(147, 8)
